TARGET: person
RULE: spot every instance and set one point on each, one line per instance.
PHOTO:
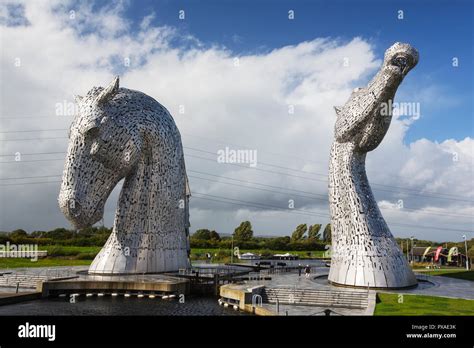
(307, 271)
(299, 270)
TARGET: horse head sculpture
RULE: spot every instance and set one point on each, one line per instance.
(364, 252)
(124, 134)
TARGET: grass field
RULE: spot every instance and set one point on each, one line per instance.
(395, 304)
(71, 249)
(458, 273)
(46, 262)
(59, 255)
(301, 254)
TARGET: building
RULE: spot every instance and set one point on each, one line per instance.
(448, 257)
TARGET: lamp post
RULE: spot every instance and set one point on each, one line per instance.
(411, 238)
(465, 246)
(232, 250)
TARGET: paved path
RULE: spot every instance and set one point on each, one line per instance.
(292, 280)
(296, 310)
(443, 286)
(429, 285)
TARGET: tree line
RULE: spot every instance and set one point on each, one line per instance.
(89, 236)
(302, 238)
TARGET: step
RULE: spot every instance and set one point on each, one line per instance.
(318, 297)
(316, 300)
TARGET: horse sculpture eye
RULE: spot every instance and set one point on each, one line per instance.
(91, 133)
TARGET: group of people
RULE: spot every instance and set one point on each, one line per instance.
(307, 270)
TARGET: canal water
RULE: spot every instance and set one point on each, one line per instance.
(119, 305)
(108, 305)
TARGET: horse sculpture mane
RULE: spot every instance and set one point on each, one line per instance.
(120, 133)
(364, 252)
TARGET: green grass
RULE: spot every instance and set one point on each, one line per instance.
(46, 262)
(71, 249)
(452, 273)
(398, 304)
(60, 255)
(301, 254)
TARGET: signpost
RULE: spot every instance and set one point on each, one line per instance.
(465, 246)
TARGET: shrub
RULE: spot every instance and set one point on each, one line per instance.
(57, 250)
(85, 256)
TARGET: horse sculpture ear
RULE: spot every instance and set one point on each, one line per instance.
(337, 109)
(108, 92)
(78, 99)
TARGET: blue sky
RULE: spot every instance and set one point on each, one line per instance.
(283, 62)
(440, 30)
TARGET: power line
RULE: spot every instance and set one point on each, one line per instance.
(425, 193)
(32, 177)
(257, 188)
(260, 184)
(28, 139)
(324, 175)
(32, 183)
(320, 180)
(316, 214)
(267, 206)
(35, 153)
(34, 130)
(325, 199)
(264, 206)
(38, 160)
(243, 166)
(28, 117)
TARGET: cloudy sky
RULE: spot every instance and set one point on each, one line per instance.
(245, 76)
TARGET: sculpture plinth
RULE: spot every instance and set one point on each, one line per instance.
(364, 253)
(125, 134)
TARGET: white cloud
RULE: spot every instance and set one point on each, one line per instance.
(227, 102)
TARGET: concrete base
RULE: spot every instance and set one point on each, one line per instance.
(372, 287)
(117, 284)
(11, 298)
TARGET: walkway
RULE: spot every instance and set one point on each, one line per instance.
(293, 281)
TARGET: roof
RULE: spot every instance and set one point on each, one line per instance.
(419, 251)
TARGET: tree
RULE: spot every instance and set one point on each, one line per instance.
(203, 234)
(470, 253)
(313, 232)
(244, 231)
(327, 233)
(60, 234)
(18, 234)
(214, 235)
(299, 232)
(279, 243)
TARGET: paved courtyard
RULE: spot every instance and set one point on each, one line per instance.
(429, 285)
(293, 280)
